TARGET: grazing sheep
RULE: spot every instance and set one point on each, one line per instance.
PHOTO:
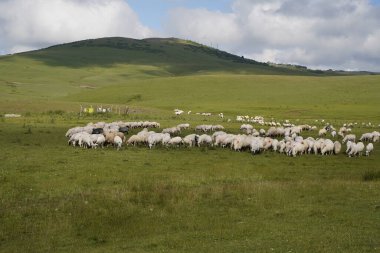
(117, 142)
(318, 145)
(256, 145)
(275, 143)
(349, 137)
(310, 141)
(203, 128)
(297, 148)
(178, 112)
(368, 149)
(337, 147)
(295, 130)
(348, 146)
(134, 139)
(214, 135)
(175, 141)
(327, 147)
(322, 132)
(333, 134)
(109, 138)
(376, 136)
(205, 139)
(121, 135)
(191, 140)
(183, 126)
(85, 141)
(241, 141)
(171, 130)
(246, 127)
(366, 137)
(73, 140)
(97, 140)
(224, 140)
(267, 143)
(97, 130)
(165, 139)
(82, 139)
(156, 138)
(217, 128)
(282, 146)
(356, 149)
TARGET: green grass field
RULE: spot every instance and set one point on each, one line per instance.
(56, 198)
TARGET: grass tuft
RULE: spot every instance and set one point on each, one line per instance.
(371, 175)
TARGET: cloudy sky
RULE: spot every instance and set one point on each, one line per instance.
(339, 34)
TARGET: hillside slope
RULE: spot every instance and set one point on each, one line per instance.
(168, 57)
(166, 73)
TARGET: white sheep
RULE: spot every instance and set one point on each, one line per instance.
(349, 137)
(327, 147)
(281, 145)
(297, 148)
(376, 136)
(256, 145)
(183, 126)
(217, 127)
(224, 140)
(175, 141)
(171, 130)
(368, 149)
(191, 140)
(134, 139)
(241, 141)
(83, 140)
(348, 146)
(275, 143)
(157, 138)
(356, 149)
(318, 145)
(117, 142)
(97, 140)
(214, 135)
(205, 139)
(310, 141)
(366, 137)
(337, 147)
(322, 132)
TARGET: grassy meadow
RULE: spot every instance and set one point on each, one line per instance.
(56, 198)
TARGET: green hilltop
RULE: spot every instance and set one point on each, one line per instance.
(156, 57)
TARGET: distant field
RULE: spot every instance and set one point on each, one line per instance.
(56, 198)
(351, 98)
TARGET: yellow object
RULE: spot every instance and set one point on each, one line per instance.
(91, 110)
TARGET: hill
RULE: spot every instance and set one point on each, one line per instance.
(166, 73)
(164, 56)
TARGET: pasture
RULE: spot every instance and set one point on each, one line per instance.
(57, 198)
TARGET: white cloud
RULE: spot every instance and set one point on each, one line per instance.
(206, 26)
(26, 24)
(338, 34)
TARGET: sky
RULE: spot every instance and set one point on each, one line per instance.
(320, 34)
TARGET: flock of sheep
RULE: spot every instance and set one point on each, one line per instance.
(282, 139)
